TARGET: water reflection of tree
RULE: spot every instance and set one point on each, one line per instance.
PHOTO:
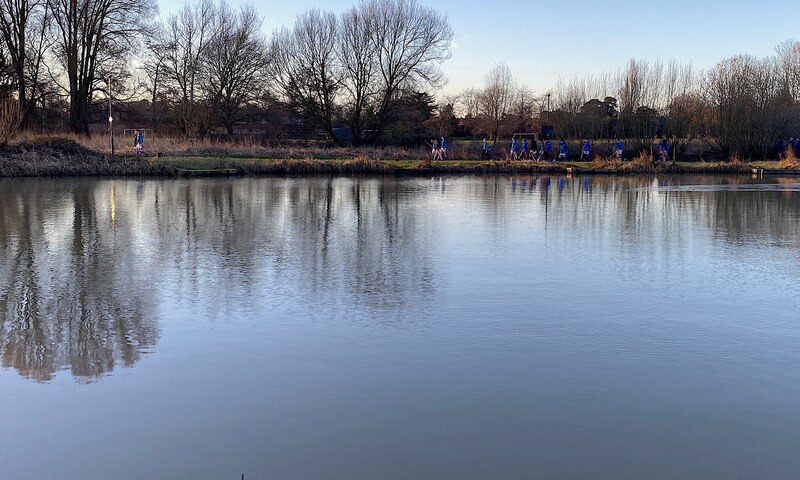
(85, 261)
(644, 209)
(64, 301)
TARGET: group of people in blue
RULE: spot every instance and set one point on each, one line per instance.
(543, 151)
(782, 148)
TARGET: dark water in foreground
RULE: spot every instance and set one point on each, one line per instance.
(464, 328)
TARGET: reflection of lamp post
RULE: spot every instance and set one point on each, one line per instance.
(110, 118)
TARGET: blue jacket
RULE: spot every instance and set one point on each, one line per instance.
(586, 147)
(514, 146)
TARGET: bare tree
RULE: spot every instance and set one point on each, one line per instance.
(306, 69)
(497, 98)
(154, 68)
(23, 26)
(745, 93)
(411, 42)
(90, 35)
(357, 54)
(236, 61)
(522, 109)
(468, 103)
(184, 41)
(789, 63)
(362, 66)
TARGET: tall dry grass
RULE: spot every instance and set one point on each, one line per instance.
(645, 162)
(600, 162)
(246, 147)
(789, 160)
(10, 119)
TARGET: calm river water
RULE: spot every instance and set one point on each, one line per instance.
(383, 328)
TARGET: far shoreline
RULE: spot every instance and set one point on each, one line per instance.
(66, 158)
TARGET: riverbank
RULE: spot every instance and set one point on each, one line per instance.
(64, 157)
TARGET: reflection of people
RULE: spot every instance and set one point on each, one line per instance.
(138, 142)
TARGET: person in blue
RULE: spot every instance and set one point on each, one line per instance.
(138, 142)
(618, 147)
(539, 154)
(443, 144)
(562, 150)
(484, 150)
(514, 148)
(586, 151)
(663, 150)
(548, 150)
(524, 148)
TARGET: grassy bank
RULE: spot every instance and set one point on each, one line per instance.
(67, 157)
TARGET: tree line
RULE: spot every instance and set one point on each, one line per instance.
(367, 75)
(209, 66)
(742, 105)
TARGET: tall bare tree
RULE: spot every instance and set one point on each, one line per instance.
(90, 36)
(236, 61)
(497, 98)
(23, 26)
(750, 113)
(411, 42)
(789, 63)
(185, 40)
(306, 68)
(357, 54)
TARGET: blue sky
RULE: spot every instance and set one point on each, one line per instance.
(542, 41)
